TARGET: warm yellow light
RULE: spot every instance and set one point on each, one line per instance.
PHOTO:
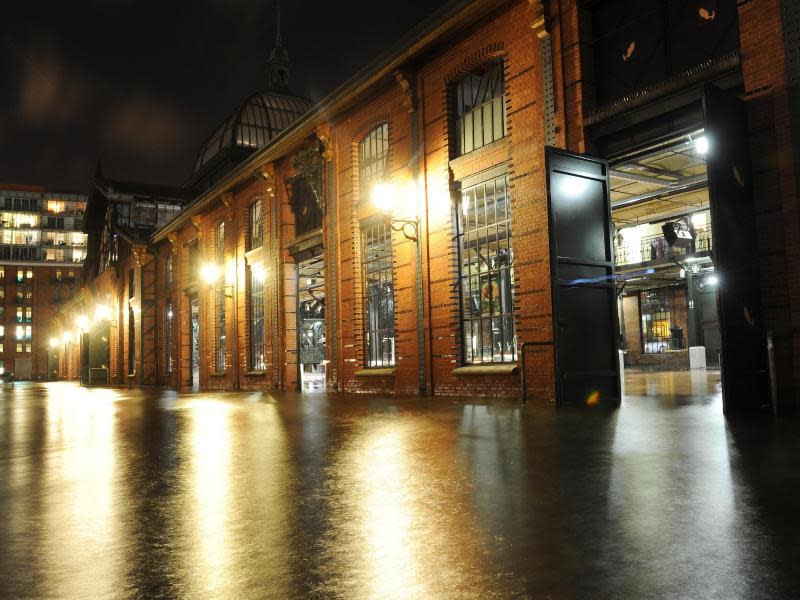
(67, 337)
(384, 196)
(259, 275)
(83, 323)
(55, 342)
(102, 313)
(209, 272)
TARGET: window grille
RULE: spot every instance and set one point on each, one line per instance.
(131, 341)
(170, 351)
(480, 113)
(373, 158)
(256, 228)
(256, 360)
(378, 293)
(486, 273)
(169, 271)
(656, 323)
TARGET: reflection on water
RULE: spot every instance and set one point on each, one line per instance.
(128, 494)
(78, 528)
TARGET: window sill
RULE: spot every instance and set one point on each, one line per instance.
(509, 369)
(217, 374)
(256, 373)
(375, 372)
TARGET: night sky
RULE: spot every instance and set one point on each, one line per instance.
(139, 84)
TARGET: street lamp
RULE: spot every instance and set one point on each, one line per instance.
(385, 197)
(211, 273)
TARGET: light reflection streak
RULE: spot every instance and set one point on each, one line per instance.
(79, 512)
(401, 528)
(210, 451)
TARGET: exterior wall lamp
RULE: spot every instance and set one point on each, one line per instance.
(210, 273)
(385, 198)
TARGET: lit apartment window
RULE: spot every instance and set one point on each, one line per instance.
(58, 275)
(20, 275)
(479, 108)
(28, 348)
(20, 332)
(2, 273)
(2, 330)
(170, 352)
(257, 336)
(28, 332)
(28, 314)
(2, 349)
(29, 296)
(486, 273)
(19, 348)
(373, 158)
(29, 274)
(19, 314)
(256, 225)
(378, 293)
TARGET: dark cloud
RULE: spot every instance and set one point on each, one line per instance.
(146, 126)
(48, 93)
(140, 84)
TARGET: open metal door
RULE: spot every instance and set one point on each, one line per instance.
(582, 277)
(735, 252)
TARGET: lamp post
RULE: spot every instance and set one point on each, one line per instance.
(386, 197)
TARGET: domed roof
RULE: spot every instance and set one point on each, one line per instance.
(255, 122)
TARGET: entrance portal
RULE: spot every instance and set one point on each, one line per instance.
(311, 343)
(194, 342)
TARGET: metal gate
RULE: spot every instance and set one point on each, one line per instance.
(582, 271)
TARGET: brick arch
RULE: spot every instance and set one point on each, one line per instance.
(478, 57)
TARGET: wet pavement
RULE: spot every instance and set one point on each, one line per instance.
(125, 494)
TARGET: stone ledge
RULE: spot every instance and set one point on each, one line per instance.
(256, 373)
(217, 374)
(486, 370)
(375, 373)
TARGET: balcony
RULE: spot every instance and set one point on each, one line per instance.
(655, 248)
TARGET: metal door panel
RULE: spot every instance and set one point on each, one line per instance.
(582, 271)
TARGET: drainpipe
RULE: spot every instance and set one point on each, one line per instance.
(415, 147)
(235, 324)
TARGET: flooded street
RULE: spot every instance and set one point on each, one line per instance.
(130, 494)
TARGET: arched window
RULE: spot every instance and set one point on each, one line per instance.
(480, 111)
(373, 158)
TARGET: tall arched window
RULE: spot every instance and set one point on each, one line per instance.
(376, 256)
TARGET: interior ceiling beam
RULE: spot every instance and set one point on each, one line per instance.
(677, 183)
(689, 184)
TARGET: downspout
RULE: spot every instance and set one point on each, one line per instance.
(235, 299)
(421, 205)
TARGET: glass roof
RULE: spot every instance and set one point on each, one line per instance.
(257, 120)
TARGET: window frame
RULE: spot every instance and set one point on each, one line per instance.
(489, 103)
(373, 165)
(378, 307)
(471, 228)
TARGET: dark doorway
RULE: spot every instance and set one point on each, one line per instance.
(311, 341)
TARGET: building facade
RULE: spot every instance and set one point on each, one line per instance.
(41, 259)
(417, 230)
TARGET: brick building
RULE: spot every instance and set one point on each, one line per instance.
(283, 272)
(41, 258)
